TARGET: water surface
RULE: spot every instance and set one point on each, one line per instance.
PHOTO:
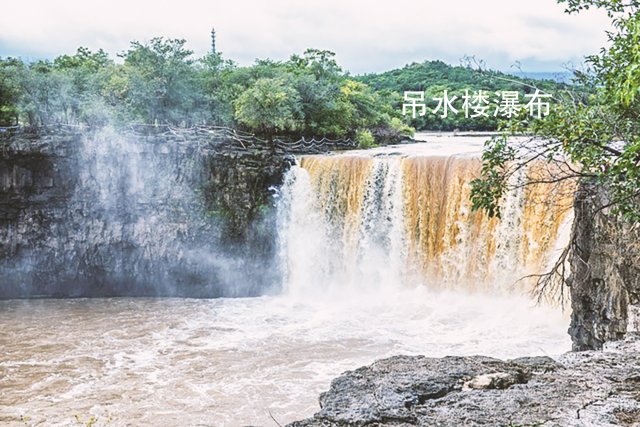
(233, 362)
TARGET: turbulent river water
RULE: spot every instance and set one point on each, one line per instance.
(176, 362)
(382, 256)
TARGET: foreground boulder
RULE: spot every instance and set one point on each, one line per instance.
(579, 389)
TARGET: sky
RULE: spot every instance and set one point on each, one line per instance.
(367, 36)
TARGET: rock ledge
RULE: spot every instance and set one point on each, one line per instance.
(592, 388)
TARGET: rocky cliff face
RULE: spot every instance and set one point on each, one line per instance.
(605, 272)
(579, 389)
(163, 213)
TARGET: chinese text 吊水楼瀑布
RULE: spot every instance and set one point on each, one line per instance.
(479, 103)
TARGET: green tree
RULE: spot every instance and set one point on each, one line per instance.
(599, 131)
(9, 91)
(161, 85)
(83, 78)
(365, 139)
(42, 100)
(214, 80)
(84, 59)
(269, 106)
(320, 63)
(318, 78)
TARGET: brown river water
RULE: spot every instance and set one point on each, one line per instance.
(234, 362)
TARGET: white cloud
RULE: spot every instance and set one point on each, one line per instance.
(367, 36)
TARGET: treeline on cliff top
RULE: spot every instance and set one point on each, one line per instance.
(160, 82)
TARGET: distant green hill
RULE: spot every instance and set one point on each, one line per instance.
(434, 77)
(557, 76)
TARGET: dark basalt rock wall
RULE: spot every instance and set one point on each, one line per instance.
(108, 214)
(605, 272)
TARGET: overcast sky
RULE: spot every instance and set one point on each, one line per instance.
(366, 35)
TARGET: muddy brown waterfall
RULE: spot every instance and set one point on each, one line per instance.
(412, 213)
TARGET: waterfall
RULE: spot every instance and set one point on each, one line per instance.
(378, 221)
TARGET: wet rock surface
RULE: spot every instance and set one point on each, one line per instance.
(605, 272)
(592, 388)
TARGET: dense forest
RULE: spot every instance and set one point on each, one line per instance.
(160, 82)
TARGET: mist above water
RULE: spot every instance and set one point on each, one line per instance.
(127, 214)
